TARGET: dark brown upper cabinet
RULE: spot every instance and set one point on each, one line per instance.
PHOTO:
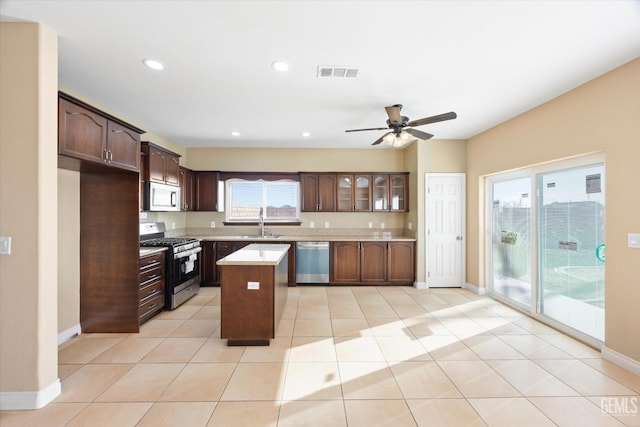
(390, 192)
(206, 191)
(88, 134)
(163, 166)
(354, 192)
(318, 192)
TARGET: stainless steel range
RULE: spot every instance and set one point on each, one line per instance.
(183, 262)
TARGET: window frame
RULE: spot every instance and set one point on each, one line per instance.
(265, 183)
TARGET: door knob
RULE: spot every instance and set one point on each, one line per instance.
(459, 238)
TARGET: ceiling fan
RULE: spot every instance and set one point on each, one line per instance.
(401, 128)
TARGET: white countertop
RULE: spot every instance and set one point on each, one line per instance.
(257, 254)
(151, 251)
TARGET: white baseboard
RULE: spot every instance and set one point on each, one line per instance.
(29, 399)
(621, 360)
(420, 285)
(475, 289)
(69, 333)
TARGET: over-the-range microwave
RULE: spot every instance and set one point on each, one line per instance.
(161, 197)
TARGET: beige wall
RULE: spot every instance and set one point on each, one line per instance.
(433, 156)
(601, 116)
(297, 160)
(28, 211)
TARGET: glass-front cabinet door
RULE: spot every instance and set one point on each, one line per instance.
(354, 192)
(398, 193)
(363, 193)
(381, 193)
(345, 192)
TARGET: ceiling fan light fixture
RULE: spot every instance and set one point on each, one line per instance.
(235, 133)
(306, 134)
(398, 141)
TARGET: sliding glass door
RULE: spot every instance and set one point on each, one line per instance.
(545, 242)
(511, 239)
(571, 247)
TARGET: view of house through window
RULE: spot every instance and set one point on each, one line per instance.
(546, 242)
(279, 200)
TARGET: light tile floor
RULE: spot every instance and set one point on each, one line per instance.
(343, 356)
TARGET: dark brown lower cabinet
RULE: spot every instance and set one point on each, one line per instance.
(208, 276)
(152, 282)
(372, 263)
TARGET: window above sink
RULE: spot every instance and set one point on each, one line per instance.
(278, 199)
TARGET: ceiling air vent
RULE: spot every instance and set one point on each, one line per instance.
(337, 71)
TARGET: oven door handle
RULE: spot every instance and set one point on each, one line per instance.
(188, 252)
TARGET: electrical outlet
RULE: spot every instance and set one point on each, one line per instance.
(173, 225)
(253, 285)
(326, 224)
(312, 224)
(370, 225)
(382, 225)
(633, 240)
(410, 226)
(143, 215)
(213, 224)
(5, 245)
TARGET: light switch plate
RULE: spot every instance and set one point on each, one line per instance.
(253, 285)
(5, 245)
(633, 240)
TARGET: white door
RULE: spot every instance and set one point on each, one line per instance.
(445, 229)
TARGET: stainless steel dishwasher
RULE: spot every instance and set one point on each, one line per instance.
(312, 263)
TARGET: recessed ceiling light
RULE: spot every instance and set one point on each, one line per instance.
(235, 133)
(279, 65)
(153, 64)
(306, 134)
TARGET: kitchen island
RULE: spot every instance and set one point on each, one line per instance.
(253, 292)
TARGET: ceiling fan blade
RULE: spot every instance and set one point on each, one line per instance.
(379, 140)
(418, 133)
(394, 114)
(433, 119)
(359, 130)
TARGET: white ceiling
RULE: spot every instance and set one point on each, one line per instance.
(486, 60)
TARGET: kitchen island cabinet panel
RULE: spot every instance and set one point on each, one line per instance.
(253, 293)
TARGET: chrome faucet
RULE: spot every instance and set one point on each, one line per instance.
(261, 223)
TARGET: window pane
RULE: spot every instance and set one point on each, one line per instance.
(281, 200)
(245, 200)
(511, 239)
(278, 199)
(571, 217)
